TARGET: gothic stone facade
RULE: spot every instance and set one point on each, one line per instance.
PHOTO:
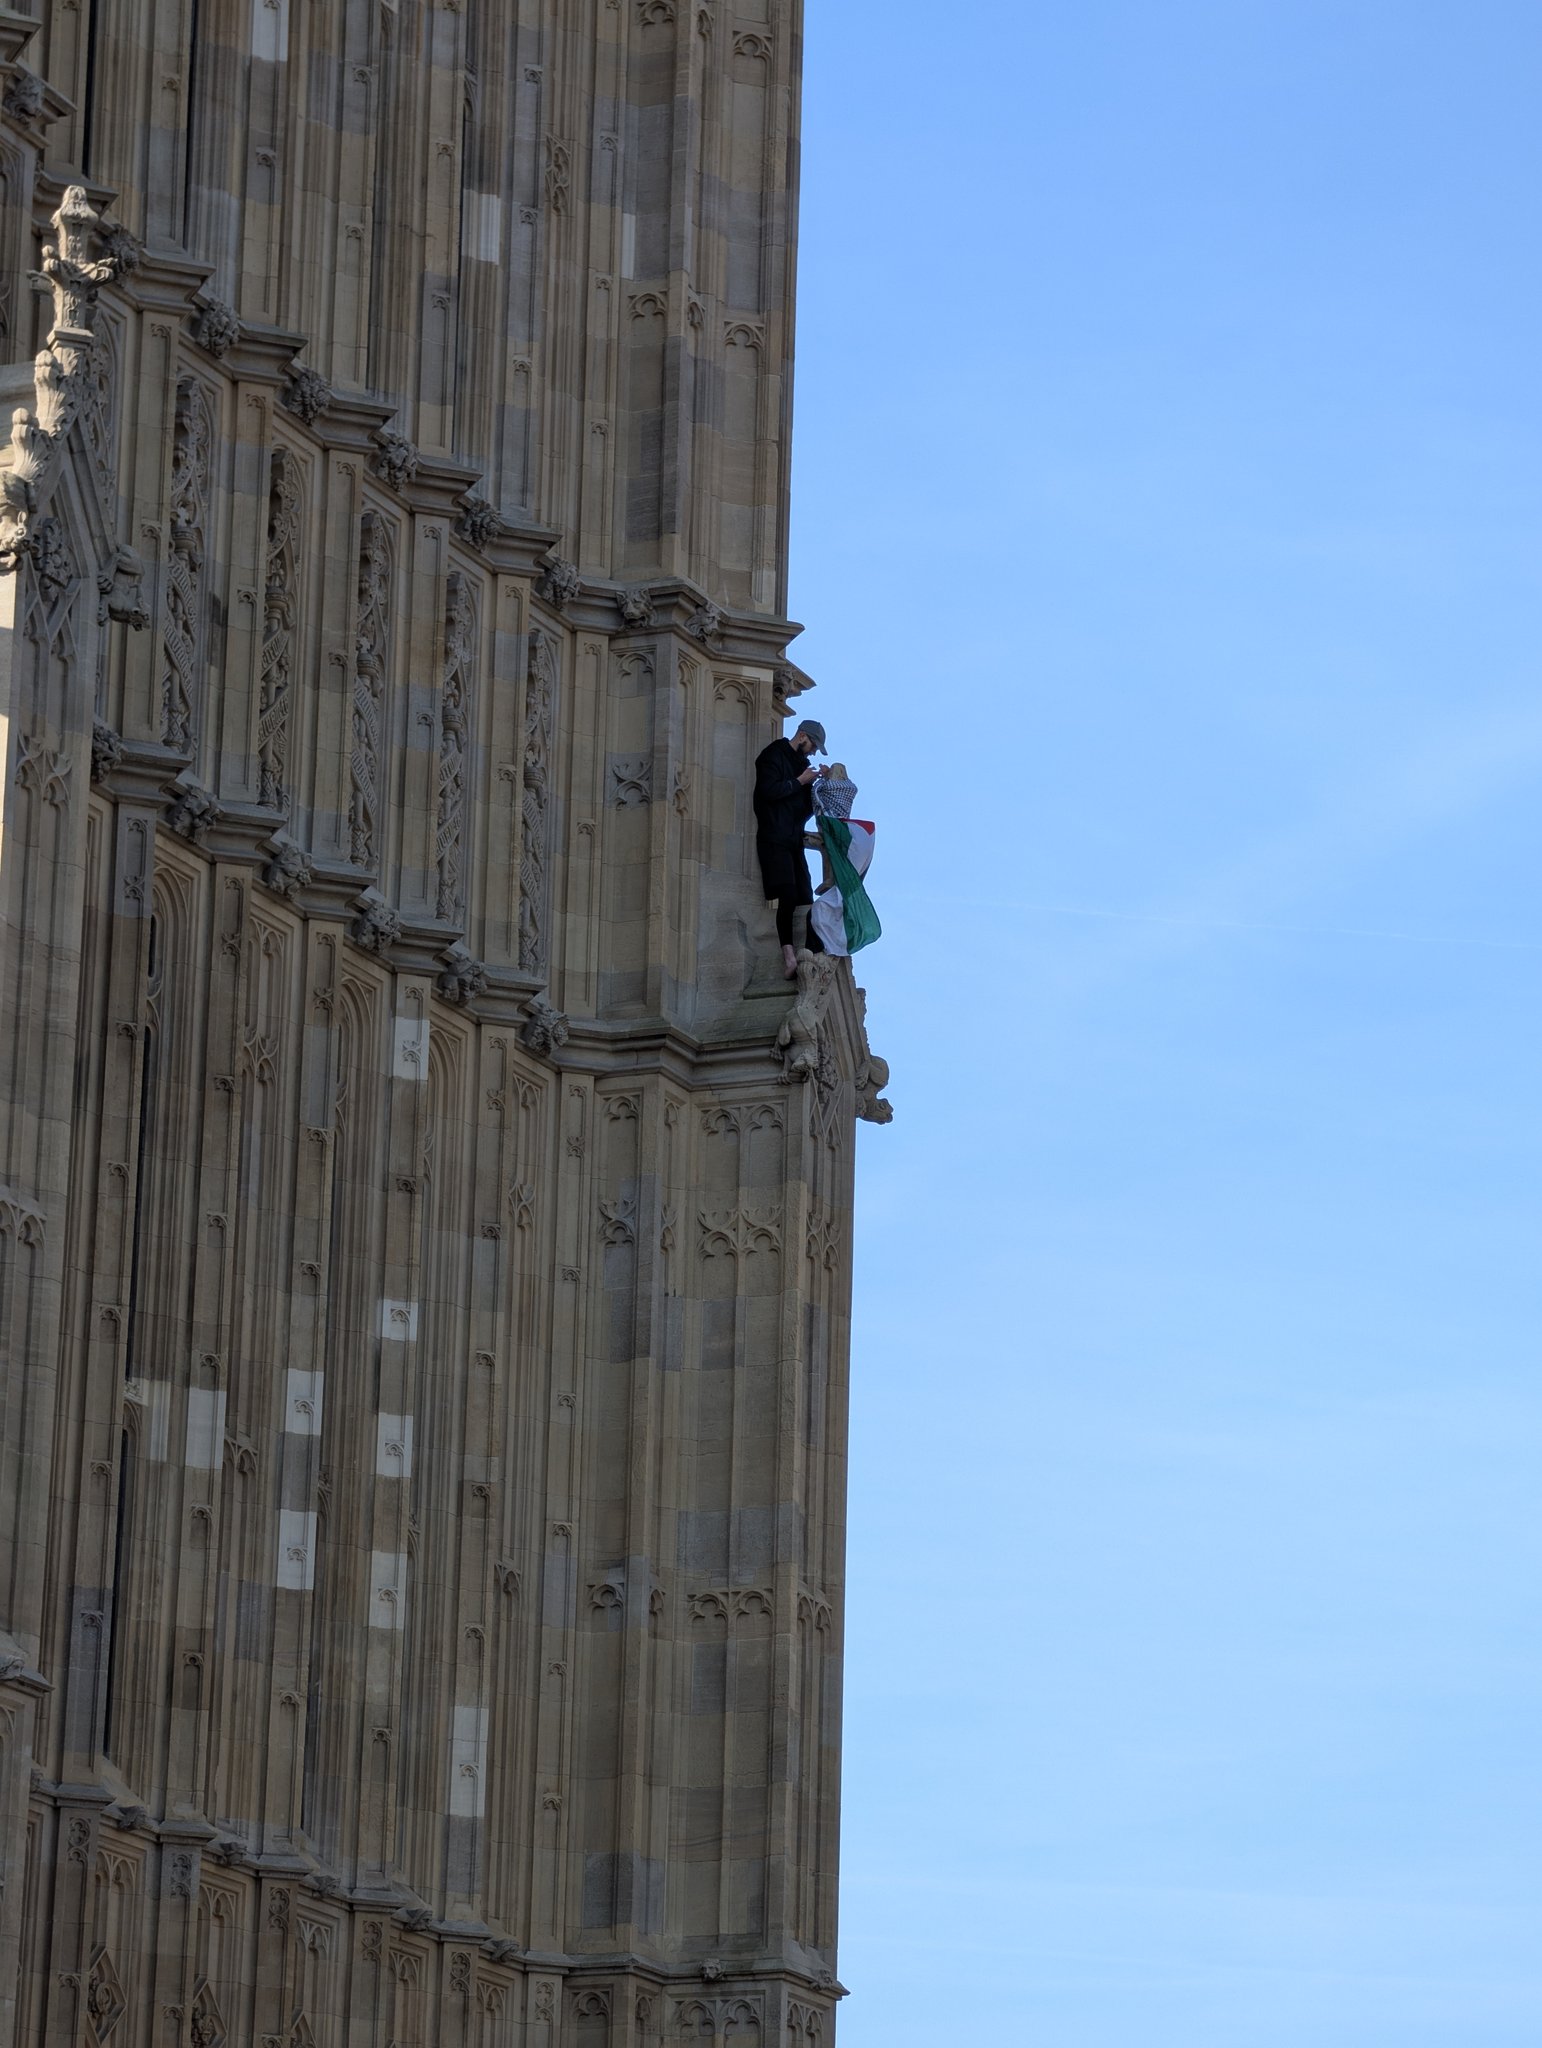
(424, 1222)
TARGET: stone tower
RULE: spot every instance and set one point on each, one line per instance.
(423, 1282)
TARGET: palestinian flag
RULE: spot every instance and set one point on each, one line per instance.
(842, 914)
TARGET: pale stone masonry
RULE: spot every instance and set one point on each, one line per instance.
(424, 1224)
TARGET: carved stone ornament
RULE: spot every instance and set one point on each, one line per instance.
(798, 1040)
(307, 393)
(618, 1220)
(121, 248)
(120, 590)
(631, 779)
(461, 977)
(216, 327)
(540, 702)
(873, 1076)
(193, 809)
(82, 256)
(371, 658)
(105, 2001)
(44, 771)
(728, 1232)
(182, 634)
(460, 660)
(559, 170)
(636, 605)
(375, 926)
(395, 460)
(559, 582)
(706, 625)
(545, 1029)
(786, 684)
(278, 618)
(23, 95)
(288, 868)
(106, 750)
(477, 522)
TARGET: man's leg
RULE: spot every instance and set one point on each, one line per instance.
(779, 881)
(813, 941)
(786, 908)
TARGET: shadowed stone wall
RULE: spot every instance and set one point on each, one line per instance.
(424, 1280)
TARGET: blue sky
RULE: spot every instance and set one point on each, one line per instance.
(1168, 526)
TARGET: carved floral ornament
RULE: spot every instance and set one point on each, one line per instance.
(278, 623)
(460, 659)
(182, 633)
(534, 826)
(371, 668)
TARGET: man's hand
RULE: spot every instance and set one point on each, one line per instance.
(808, 775)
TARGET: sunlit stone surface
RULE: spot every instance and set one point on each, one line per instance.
(423, 1287)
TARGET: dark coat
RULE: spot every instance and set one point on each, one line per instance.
(783, 806)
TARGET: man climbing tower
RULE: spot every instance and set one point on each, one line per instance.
(784, 802)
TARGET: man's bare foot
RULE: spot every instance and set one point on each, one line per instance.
(789, 963)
